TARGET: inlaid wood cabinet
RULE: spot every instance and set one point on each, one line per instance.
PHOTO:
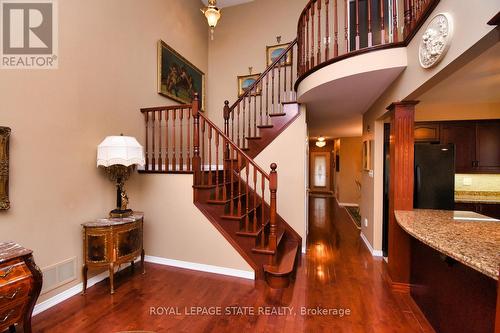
(20, 286)
(477, 143)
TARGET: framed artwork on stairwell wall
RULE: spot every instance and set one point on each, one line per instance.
(178, 78)
(275, 51)
(4, 168)
(246, 81)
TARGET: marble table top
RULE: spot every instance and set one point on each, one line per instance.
(108, 222)
(468, 237)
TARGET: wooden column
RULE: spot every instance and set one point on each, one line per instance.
(400, 189)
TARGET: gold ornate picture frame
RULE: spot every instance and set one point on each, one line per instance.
(4, 168)
(275, 51)
(245, 81)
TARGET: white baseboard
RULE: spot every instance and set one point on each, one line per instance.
(375, 253)
(303, 249)
(77, 289)
(201, 267)
(348, 204)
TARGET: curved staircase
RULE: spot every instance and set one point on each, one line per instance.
(235, 194)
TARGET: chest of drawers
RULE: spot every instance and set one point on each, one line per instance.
(20, 285)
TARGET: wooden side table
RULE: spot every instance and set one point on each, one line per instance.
(111, 242)
(20, 286)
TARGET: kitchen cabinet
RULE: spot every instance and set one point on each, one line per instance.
(488, 146)
(427, 132)
(463, 135)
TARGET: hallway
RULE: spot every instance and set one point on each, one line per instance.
(338, 276)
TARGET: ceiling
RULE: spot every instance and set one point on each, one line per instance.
(227, 3)
(476, 82)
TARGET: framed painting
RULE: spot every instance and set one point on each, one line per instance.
(245, 81)
(273, 53)
(4, 168)
(178, 78)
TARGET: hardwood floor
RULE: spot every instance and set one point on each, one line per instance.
(338, 273)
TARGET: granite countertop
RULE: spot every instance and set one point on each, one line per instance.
(474, 243)
(491, 197)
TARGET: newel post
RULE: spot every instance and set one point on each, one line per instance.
(227, 113)
(273, 187)
(196, 140)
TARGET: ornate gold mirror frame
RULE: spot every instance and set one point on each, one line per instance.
(4, 168)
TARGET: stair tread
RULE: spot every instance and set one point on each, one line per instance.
(286, 263)
(243, 214)
(281, 114)
(265, 126)
(253, 138)
(221, 201)
(266, 249)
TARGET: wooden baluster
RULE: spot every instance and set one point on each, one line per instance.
(395, 36)
(167, 166)
(267, 98)
(291, 76)
(285, 83)
(196, 141)
(247, 198)
(224, 170)
(160, 166)
(335, 30)
(370, 35)
(146, 116)
(279, 86)
(217, 189)
(357, 25)
(238, 126)
(318, 60)
(255, 112)
(181, 158)
(232, 124)
(202, 151)
(312, 35)
(346, 28)
(382, 23)
(273, 187)
(189, 140)
(153, 153)
(327, 29)
(249, 115)
(272, 91)
(262, 205)
(254, 223)
(227, 112)
(407, 17)
(231, 179)
(413, 14)
(174, 161)
(260, 107)
(209, 154)
(239, 165)
(306, 53)
(243, 125)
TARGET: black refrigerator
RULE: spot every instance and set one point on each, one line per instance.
(434, 176)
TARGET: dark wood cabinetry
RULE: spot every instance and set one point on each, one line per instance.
(477, 143)
(487, 209)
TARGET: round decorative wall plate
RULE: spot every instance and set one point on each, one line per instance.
(435, 40)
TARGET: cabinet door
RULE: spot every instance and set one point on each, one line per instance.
(491, 210)
(427, 132)
(464, 137)
(488, 146)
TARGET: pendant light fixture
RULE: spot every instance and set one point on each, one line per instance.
(212, 13)
(321, 142)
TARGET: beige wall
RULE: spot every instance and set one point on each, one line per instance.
(240, 42)
(174, 227)
(469, 27)
(350, 170)
(289, 152)
(107, 71)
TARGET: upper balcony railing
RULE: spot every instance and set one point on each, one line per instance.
(331, 30)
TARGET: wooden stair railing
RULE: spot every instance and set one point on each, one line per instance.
(254, 110)
(235, 193)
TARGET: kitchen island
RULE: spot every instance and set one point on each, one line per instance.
(454, 267)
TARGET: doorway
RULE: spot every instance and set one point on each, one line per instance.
(320, 172)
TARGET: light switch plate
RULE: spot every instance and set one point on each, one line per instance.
(366, 222)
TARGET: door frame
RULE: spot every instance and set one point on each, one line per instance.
(327, 188)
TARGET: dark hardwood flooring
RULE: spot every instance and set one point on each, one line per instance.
(338, 272)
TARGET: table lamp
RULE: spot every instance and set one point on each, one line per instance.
(119, 155)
